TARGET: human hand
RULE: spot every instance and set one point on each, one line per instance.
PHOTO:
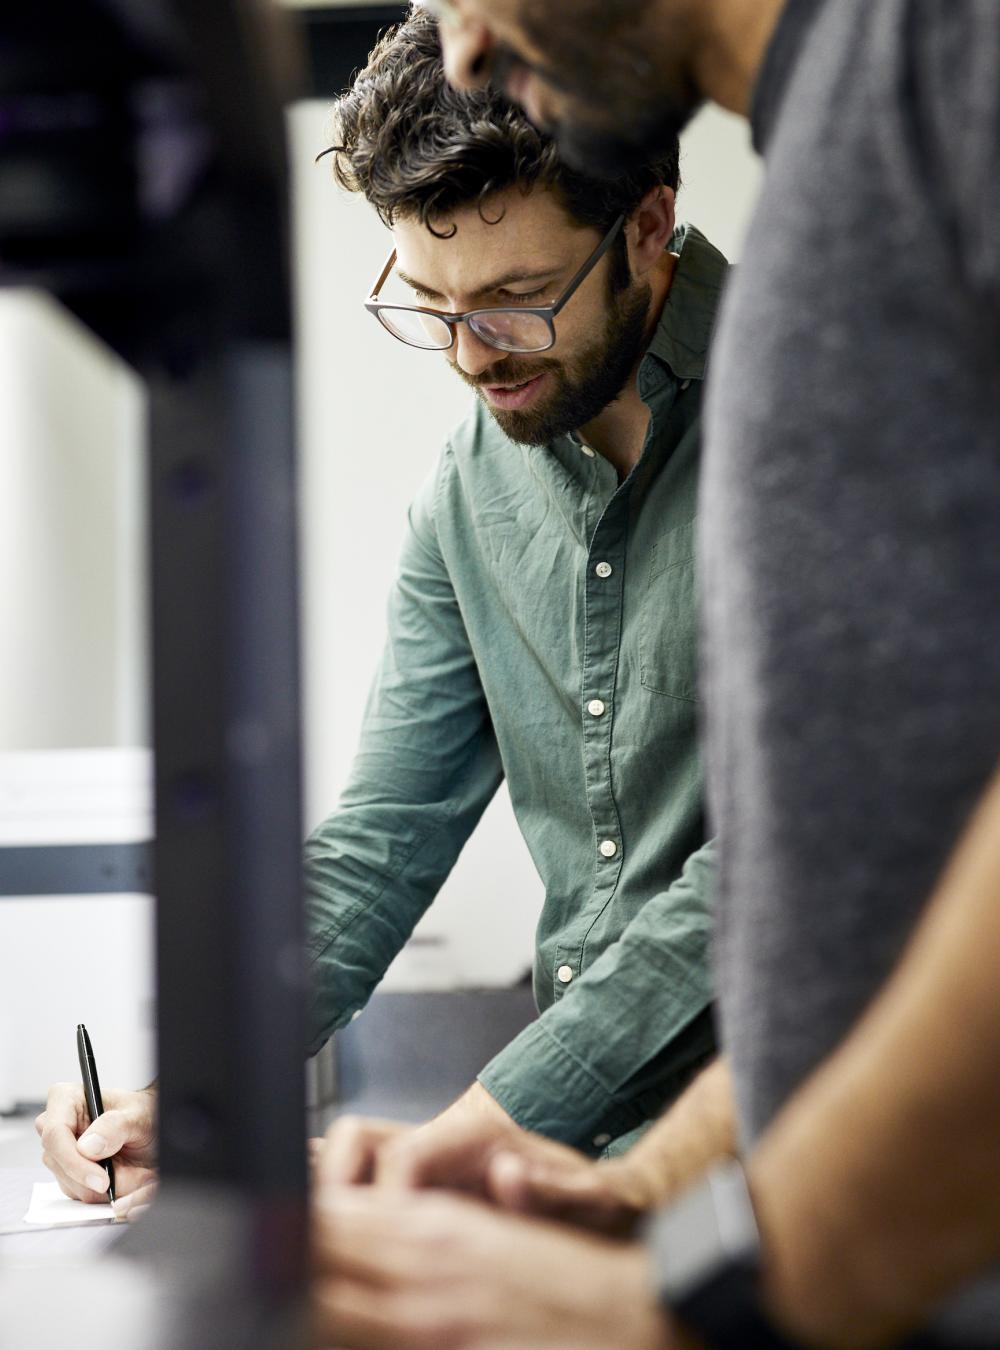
(405, 1271)
(555, 1182)
(513, 1168)
(349, 1152)
(362, 1150)
(73, 1146)
(481, 1151)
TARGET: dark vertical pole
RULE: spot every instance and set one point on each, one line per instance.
(228, 783)
(151, 199)
(226, 706)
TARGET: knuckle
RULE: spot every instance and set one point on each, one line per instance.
(346, 1129)
(402, 1149)
(349, 1122)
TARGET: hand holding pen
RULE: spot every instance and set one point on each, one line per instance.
(75, 1145)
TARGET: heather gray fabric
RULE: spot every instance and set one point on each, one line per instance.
(850, 524)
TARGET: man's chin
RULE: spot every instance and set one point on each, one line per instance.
(523, 428)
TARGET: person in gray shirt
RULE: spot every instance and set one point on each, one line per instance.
(850, 519)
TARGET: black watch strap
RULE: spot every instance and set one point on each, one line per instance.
(706, 1257)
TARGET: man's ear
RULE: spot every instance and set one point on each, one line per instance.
(649, 228)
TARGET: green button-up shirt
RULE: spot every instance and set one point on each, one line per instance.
(542, 629)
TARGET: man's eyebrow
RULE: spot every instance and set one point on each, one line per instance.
(497, 284)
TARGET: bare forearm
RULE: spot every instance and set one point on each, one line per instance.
(697, 1130)
(879, 1185)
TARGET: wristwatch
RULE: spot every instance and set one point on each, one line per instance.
(706, 1256)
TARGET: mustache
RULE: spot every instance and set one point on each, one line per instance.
(505, 373)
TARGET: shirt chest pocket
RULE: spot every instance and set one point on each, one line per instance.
(668, 623)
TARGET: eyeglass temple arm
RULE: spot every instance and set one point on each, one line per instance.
(591, 262)
(390, 263)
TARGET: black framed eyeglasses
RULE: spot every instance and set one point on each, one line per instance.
(513, 328)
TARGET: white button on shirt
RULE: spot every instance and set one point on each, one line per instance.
(608, 848)
(564, 974)
(586, 450)
(601, 1140)
(604, 569)
(596, 707)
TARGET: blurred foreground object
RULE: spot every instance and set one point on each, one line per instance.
(143, 186)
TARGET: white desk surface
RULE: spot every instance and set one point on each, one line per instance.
(15, 1192)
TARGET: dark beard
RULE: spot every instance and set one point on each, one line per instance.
(595, 378)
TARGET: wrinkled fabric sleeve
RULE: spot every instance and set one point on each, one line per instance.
(628, 1035)
(426, 767)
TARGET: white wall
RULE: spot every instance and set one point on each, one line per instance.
(720, 178)
(72, 536)
(373, 416)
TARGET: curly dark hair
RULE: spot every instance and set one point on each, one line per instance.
(419, 149)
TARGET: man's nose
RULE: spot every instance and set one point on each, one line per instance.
(466, 48)
(471, 354)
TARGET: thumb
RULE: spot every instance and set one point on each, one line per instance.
(107, 1135)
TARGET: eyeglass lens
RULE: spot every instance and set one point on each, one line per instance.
(507, 329)
(419, 330)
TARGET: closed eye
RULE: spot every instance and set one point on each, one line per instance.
(515, 296)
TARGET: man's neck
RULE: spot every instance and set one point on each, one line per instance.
(618, 433)
(732, 37)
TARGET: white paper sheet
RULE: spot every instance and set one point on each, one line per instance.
(49, 1206)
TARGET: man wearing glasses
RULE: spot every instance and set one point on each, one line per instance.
(542, 624)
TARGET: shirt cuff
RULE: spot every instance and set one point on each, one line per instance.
(543, 1087)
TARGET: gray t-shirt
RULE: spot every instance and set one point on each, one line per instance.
(850, 526)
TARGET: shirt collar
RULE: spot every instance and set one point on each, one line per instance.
(684, 332)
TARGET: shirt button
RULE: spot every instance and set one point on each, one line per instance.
(356, 1014)
(596, 707)
(684, 385)
(586, 450)
(564, 974)
(602, 1140)
(608, 848)
(603, 569)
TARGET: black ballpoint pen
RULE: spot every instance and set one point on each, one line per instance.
(92, 1091)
